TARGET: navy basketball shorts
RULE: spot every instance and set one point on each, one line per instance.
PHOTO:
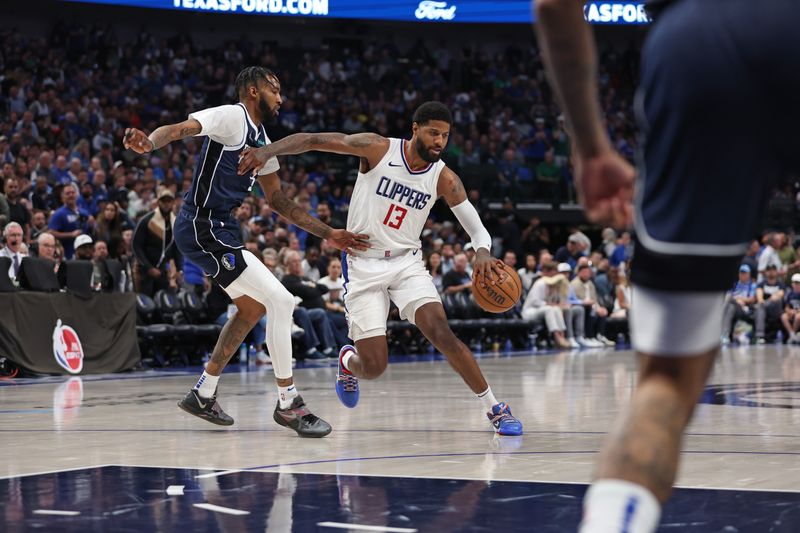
(716, 109)
(213, 244)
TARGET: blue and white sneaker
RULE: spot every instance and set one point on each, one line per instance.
(503, 421)
(346, 383)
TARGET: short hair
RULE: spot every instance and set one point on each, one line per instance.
(432, 111)
(10, 226)
(251, 76)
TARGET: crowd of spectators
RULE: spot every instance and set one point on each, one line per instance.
(66, 98)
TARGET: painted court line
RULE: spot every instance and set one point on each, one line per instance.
(360, 527)
(175, 490)
(56, 513)
(218, 509)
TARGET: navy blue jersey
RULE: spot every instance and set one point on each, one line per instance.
(217, 185)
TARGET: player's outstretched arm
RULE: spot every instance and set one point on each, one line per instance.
(142, 143)
(485, 268)
(603, 179)
(370, 146)
(288, 208)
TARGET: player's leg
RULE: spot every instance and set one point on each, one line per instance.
(431, 320)
(415, 295)
(367, 303)
(689, 244)
(201, 401)
(259, 283)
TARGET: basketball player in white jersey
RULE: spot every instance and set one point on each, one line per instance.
(208, 234)
(398, 183)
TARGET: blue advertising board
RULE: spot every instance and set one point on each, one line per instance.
(481, 11)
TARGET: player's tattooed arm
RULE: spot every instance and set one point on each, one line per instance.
(451, 188)
(137, 141)
(369, 146)
(288, 208)
(283, 205)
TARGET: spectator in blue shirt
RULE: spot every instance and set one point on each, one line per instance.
(69, 220)
(740, 302)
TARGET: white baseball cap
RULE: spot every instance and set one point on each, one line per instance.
(564, 267)
(82, 240)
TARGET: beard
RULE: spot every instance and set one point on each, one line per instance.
(425, 153)
(268, 116)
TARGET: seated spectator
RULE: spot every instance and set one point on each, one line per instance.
(434, 265)
(571, 251)
(13, 235)
(544, 302)
(313, 264)
(594, 313)
(528, 273)
(769, 301)
(769, 256)
(311, 295)
(334, 301)
(46, 246)
(458, 279)
(622, 295)
(574, 315)
(791, 311)
(510, 258)
(84, 247)
(739, 302)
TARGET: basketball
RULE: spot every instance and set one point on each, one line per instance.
(501, 296)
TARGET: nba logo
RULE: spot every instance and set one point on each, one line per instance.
(67, 348)
(387, 253)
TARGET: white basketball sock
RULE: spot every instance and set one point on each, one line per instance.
(206, 385)
(487, 399)
(614, 505)
(346, 357)
(286, 395)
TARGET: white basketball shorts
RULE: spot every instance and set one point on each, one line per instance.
(370, 284)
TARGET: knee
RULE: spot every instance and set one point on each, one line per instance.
(281, 303)
(372, 368)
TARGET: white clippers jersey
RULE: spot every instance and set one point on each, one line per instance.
(391, 202)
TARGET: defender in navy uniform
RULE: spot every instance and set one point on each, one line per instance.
(207, 233)
(717, 109)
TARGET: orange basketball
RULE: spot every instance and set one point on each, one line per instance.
(501, 296)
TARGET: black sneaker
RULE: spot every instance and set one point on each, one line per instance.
(207, 409)
(299, 418)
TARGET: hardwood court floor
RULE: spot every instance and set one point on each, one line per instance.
(417, 422)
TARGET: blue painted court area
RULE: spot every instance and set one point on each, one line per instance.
(121, 498)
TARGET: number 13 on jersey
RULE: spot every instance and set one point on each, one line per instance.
(394, 217)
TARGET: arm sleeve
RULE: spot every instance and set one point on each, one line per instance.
(225, 124)
(468, 218)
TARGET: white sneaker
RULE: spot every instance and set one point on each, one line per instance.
(262, 358)
(297, 329)
(585, 343)
(604, 341)
(594, 343)
(573, 343)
